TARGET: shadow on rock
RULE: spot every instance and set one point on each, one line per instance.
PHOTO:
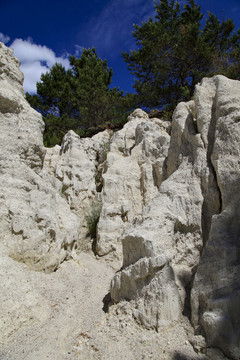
(181, 356)
(107, 301)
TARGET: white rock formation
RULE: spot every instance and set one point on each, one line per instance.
(36, 223)
(215, 297)
(195, 211)
(75, 167)
(46, 194)
(134, 172)
(170, 198)
(161, 250)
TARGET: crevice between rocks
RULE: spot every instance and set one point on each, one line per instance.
(212, 203)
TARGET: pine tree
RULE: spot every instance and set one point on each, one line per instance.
(79, 98)
(174, 53)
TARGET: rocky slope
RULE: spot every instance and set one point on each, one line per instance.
(168, 196)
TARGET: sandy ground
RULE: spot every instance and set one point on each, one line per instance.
(63, 315)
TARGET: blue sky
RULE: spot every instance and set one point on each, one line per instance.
(46, 31)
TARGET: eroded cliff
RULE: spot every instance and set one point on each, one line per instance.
(169, 223)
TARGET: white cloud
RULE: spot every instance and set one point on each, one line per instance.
(4, 38)
(32, 72)
(35, 60)
(78, 50)
(111, 30)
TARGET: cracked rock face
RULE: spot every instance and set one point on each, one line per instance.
(45, 194)
(215, 296)
(74, 168)
(183, 256)
(37, 226)
(134, 172)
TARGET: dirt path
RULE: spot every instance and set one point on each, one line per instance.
(60, 316)
(72, 299)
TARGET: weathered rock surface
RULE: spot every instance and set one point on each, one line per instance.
(134, 172)
(45, 193)
(169, 195)
(161, 249)
(75, 168)
(183, 255)
(215, 296)
(36, 223)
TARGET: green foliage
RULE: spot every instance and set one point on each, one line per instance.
(78, 99)
(64, 188)
(93, 218)
(175, 52)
